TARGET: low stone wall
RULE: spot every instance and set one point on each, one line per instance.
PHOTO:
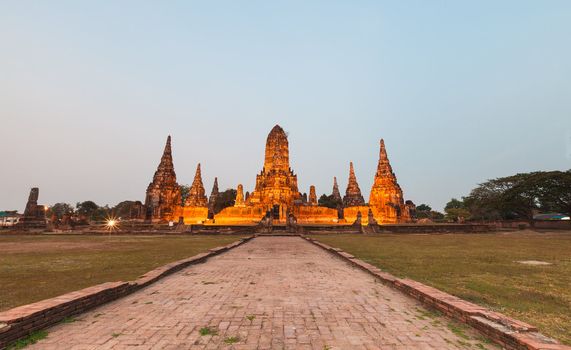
(21, 321)
(328, 229)
(505, 331)
(538, 224)
(350, 214)
(239, 215)
(193, 215)
(433, 228)
(315, 215)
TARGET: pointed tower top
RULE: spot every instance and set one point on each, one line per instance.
(165, 175)
(239, 202)
(384, 168)
(336, 194)
(383, 152)
(312, 195)
(197, 194)
(353, 195)
(167, 152)
(352, 172)
(214, 187)
(277, 151)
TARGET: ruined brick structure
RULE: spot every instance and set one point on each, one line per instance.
(353, 196)
(336, 194)
(239, 202)
(276, 193)
(197, 193)
(386, 199)
(163, 193)
(34, 214)
(276, 185)
(312, 195)
(214, 194)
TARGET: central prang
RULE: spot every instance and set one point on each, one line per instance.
(276, 185)
(277, 195)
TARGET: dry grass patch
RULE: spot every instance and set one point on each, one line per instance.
(33, 268)
(482, 268)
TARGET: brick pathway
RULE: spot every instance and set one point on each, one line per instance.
(271, 293)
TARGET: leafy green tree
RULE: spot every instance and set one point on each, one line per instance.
(455, 210)
(126, 209)
(554, 190)
(520, 196)
(59, 210)
(423, 211)
(184, 193)
(225, 199)
(86, 209)
(329, 201)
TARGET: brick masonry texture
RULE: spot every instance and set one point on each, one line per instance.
(18, 322)
(505, 331)
(270, 293)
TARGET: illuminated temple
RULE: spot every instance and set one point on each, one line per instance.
(276, 195)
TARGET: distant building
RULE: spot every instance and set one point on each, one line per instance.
(551, 216)
(9, 218)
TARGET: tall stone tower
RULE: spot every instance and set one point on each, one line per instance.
(214, 194)
(197, 193)
(353, 196)
(312, 196)
(239, 201)
(34, 214)
(336, 194)
(386, 199)
(276, 185)
(163, 194)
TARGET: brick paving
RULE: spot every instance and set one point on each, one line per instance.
(271, 293)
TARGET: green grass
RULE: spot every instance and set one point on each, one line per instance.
(231, 340)
(33, 338)
(208, 331)
(482, 268)
(33, 268)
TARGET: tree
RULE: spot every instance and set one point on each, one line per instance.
(127, 209)
(329, 202)
(520, 196)
(86, 209)
(184, 193)
(59, 210)
(555, 192)
(456, 210)
(225, 199)
(423, 211)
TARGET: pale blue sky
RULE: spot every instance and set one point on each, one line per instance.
(461, 91)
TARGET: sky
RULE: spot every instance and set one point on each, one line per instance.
(461, 91)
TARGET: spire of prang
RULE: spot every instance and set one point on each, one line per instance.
(239, 202)
(163, 193)
(336, 194)
(384, 167)
(312, 195)
(353, 196)
(197, 193)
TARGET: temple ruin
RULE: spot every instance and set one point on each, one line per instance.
(276, 195)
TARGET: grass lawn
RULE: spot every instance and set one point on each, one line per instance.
(33, 268)
(482, 268)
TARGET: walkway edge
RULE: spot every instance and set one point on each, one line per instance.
(505, 331)
(22, 321)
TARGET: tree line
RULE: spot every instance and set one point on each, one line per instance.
(516, 197)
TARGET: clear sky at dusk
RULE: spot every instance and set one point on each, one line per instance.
(461, 91)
